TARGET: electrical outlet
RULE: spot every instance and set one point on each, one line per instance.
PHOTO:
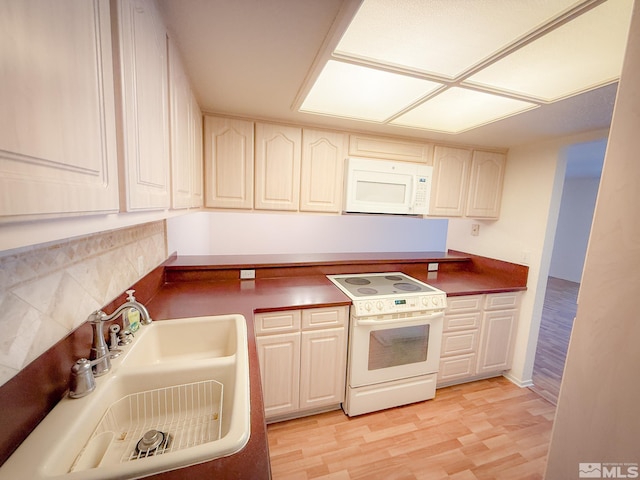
(247, 274)
(475, 229)
(432, 267)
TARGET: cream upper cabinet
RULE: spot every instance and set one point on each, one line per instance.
(277, 163)
(322, 171)
(181, 132)
(141, 42)
(186, 137)
(450, 179)
(58, 153)
(485, 186)
(228, 158)
(197, 171)
(389, 148)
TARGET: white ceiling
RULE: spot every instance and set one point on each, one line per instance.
(252, 57)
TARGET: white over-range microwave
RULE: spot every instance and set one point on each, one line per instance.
(383, 186)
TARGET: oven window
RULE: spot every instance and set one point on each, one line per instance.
(398, 346)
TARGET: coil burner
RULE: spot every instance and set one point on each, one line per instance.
(152, 442)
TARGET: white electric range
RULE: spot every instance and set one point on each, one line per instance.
(395, 335)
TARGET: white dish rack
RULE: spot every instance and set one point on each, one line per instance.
(188, 415)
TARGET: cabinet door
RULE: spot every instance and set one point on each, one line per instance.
(456, 368)
(485, 186)
(322, 169)
(278, 154)
(279, 358)
(496, 341)
(58, 152)
(197, 185)
(327, 317)
(450, 181)
(228, 157)
(144, 100)
(180, 121)
(269, 323)
(459, 343)
(322, 367)
(390, 149)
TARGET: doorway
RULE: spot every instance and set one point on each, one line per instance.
(581, 181)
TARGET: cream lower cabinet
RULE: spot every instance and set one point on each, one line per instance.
(499, 324)
(460, 335)
(478, 336)
(302, 355)
(58, 151)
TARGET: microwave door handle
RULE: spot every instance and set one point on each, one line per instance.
(401, 322)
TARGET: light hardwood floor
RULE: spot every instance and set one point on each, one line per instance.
(490, 429)
(558, 313)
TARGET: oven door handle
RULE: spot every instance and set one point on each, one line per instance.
(401, 322)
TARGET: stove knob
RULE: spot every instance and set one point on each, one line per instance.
(379, 305)
(425, 300)
(367, 306)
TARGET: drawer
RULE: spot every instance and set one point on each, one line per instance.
(324, 317)
(459, 343)
(457, 368)
(277, 322)
(464, 303)
(502, 301)
(461, 322)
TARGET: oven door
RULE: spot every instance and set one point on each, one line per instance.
(388, 349)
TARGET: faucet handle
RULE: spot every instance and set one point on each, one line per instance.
(130, 297)
(82, 382)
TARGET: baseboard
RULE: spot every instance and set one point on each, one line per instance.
(517, 381)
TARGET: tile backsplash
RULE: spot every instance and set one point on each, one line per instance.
(48, 290)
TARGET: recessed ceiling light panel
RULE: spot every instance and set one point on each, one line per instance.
(363, 93)
(578, 56)
(442, 37)
(458, 109)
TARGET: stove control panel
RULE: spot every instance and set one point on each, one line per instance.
(387, 305)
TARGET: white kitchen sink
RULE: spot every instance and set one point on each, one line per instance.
(187, 380)
(187, 341)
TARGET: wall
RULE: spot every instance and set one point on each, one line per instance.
(524, 233)
(574, 224)
(597, 416)
(231, 233)
(48, 290)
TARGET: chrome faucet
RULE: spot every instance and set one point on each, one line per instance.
(99, 347)
(82, 381)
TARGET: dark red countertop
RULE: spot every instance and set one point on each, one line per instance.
(199, 298)
(210, 284)
(197, 286)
